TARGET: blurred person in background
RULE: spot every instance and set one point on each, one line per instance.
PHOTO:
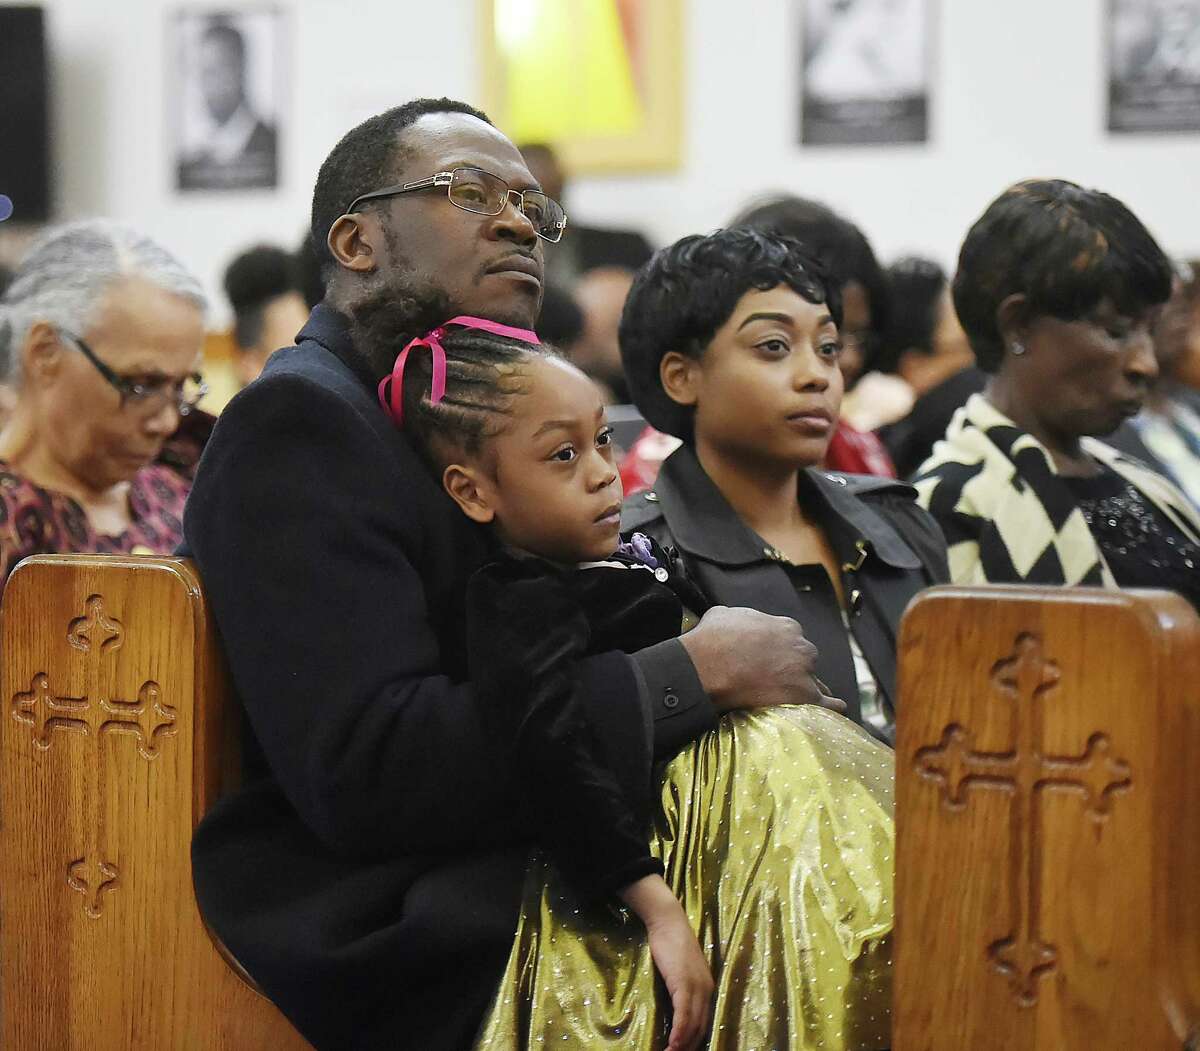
(1059, 289)
(582, 248)
(100, 336)
(1166, 434)
(601, 295)
(846, 253)
(264, 286)
(928, 349)
(268, 306)
(309, 279)
(595, 265)
(561, 321)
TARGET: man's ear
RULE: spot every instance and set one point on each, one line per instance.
(679, 376)
(468, 488)
(1012, 319)
(41, 353)
(352, 240)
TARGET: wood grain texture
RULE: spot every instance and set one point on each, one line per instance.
(1048, 821)
(116, 716)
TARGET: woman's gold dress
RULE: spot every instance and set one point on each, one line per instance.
(776, 833)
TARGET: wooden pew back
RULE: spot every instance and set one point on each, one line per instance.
(1048, 821)
(115, 718)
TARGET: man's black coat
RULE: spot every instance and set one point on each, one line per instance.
(368, 873)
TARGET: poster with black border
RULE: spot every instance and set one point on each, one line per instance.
(1153, 65)
(226, 97)
(865, 71)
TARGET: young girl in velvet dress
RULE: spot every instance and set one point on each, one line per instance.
(755, 875)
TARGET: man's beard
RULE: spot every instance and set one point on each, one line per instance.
(384, 321)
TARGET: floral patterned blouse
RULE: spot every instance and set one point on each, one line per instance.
(37, 521)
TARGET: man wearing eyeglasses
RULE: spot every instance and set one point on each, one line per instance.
(368, 874)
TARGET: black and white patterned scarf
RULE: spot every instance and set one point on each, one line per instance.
(1009, 518)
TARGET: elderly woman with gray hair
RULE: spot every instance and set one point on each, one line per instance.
(100, 335)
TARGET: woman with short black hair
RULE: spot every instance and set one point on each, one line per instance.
(1059, 289)
(731, 343)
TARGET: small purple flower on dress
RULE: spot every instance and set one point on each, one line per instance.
(638, 546)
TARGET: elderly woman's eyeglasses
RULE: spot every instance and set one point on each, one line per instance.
(474, 190)
(145, 394)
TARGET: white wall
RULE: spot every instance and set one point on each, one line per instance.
(1019, 92)
(349, 59)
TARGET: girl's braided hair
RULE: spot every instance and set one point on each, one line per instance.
(483, 375)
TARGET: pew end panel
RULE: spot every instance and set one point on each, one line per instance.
(114, 741)
(1048, 821)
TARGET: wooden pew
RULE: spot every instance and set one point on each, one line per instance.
(1048, 822)
(1048, 804)
(115, 724)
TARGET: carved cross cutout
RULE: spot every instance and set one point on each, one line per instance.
(94, 715)
(1024, 678)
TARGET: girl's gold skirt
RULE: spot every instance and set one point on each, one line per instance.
(776, 833)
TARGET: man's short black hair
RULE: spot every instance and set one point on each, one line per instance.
(1063, 247)
(689, 289)
(366, 159)
(841, 246)
(252, 280)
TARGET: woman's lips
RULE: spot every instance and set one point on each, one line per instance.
(814, 422)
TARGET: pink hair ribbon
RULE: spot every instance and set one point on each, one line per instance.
(392, 399)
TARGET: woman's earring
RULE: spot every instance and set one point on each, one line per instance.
(1018, 348)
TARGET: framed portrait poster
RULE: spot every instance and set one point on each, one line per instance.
(1153, 65)
(600, 80)
(865, 71)
(226, 97)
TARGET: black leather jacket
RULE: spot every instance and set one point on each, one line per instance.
(889, 548)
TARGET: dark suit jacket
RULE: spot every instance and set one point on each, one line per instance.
(890, 549)
(368, 873)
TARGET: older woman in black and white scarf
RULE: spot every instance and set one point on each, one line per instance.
(1058, 289)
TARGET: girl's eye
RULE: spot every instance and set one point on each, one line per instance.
(832, 349)
(604, 438)
(774, 347)
(564, 455)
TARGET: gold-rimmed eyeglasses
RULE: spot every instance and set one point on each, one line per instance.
(481, 192)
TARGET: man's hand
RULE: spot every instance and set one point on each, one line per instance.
(748, 659)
